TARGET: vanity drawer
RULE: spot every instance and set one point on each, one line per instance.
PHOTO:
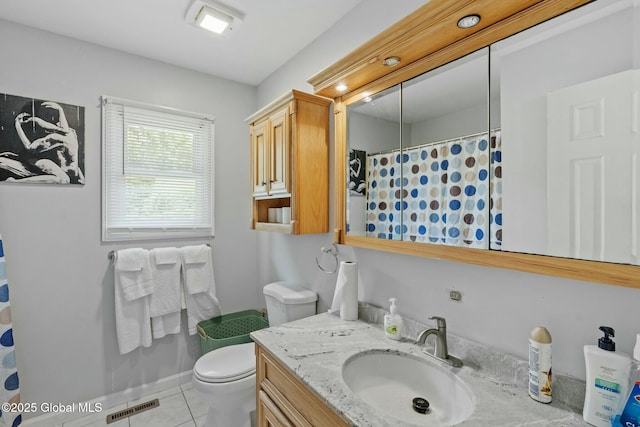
(297, 403)
(269, 415)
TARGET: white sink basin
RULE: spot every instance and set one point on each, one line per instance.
(389, 381)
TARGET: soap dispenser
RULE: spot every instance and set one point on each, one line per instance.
(607, 376)
(393, 322)
(629, 413)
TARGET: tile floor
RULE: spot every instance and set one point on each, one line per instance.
(179, 407)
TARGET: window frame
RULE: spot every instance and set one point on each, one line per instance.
(112, 233)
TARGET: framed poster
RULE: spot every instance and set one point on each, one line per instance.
(357, 172)
(41, 141)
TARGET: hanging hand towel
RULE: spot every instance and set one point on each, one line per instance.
(199, 285)
(133, 284)
(198, 269)
(201, 306)
(165, 270)
(133, 270)
(165, 325)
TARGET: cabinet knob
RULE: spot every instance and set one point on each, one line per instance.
(264, 183)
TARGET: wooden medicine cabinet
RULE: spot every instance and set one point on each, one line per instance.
(566, 222)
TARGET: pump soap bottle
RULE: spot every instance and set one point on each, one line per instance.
(629, 413)
(607, 377)
(393, 322)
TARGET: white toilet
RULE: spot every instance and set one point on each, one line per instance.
(226, 377)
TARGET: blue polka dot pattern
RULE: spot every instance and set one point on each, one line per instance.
(495, 191)
(441, 194)
(6, 339)
(10, 390)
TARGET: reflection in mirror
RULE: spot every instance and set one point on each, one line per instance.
(373, 126)
(568, 92)
(441, 193)
(446, 154)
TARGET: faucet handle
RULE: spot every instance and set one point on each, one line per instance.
(440, 321)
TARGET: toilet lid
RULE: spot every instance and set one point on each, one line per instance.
(226, 364)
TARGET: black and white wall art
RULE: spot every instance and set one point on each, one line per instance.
(41, 141)
(357, 172)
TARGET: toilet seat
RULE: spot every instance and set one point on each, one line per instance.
(226, 364)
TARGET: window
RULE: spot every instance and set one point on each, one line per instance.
(157, 166)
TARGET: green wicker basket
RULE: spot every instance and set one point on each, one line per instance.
(229, 329)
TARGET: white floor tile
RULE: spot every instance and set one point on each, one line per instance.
(196, 405)
(188, 424)
(98, 419)
(172, 412)
(201, 420)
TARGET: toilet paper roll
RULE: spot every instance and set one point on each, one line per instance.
(279, 215)
(345, 297)
(273, 216)
(286, 215)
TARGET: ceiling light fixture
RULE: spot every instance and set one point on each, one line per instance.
(468, 21)
(214, 16)
(341, 87)
(391, 61)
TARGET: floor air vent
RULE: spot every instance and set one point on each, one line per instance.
(112, 418)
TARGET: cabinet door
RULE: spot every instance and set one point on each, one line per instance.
(279, 142)
(259, 155)
(269, 415)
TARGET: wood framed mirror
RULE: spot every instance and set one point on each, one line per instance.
(428, 43)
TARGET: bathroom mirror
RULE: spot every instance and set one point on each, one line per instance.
(425, 145)
(568, 93)
(373, 127)
(558, 200)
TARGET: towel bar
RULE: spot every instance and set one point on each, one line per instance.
(333, 250)
(113, 255)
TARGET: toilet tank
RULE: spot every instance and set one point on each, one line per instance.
(288, 301)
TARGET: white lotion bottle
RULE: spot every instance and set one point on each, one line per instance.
(393, 322)
(607, 377)
(540, 364)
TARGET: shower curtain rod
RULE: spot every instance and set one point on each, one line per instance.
(428, 144)
(113, 254)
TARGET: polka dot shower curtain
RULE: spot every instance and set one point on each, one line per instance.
(9, 391)
(442, 195)
(495, 191)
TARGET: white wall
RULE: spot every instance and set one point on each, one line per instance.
(60, 278)
(468, 121)
(499, 307)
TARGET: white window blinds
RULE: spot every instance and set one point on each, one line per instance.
(157, 168)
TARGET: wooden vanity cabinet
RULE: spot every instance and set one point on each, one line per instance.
(283, 401)
(290, 163)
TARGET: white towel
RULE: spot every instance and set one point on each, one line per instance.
(165, 270)
(198, 269)
(201, 306)
(165, 325)
(131, 287)
(199, 286)
(133, 271)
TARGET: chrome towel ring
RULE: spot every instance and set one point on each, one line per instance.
(333, 250)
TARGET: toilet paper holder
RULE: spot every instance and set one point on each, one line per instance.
(333, 250)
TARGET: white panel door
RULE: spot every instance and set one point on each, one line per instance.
(590, 172)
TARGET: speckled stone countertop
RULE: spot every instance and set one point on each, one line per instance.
(315, 349)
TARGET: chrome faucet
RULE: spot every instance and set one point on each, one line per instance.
(440, 351)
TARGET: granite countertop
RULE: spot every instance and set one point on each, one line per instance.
(316, 347)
